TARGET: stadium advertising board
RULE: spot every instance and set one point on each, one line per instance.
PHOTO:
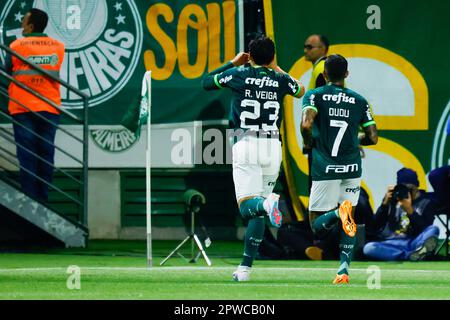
(110, 45)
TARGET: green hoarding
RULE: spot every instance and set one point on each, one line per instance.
(110, 44)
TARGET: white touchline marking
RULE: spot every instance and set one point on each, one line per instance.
(253, 284)
(201, 268)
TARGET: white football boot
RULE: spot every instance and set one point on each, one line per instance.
(242, 273)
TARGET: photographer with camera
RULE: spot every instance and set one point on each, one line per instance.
(404, 222)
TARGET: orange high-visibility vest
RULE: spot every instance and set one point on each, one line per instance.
(47, 53)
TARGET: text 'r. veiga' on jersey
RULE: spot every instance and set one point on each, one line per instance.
(261, 95)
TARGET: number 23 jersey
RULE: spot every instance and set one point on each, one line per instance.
(340, 114)
(258, 94)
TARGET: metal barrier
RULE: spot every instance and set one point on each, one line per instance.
(8, 136)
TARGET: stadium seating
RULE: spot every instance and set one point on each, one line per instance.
(168, 207)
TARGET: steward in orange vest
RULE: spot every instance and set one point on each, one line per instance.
(47, 53)
(35, 122)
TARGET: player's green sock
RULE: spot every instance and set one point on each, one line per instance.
(346, 252)
(321, 225)
(252, 208)
(253, 237)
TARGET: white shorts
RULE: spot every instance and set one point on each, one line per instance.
(327, 194)
(256, 165)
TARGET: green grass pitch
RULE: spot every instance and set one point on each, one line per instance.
(117, 270)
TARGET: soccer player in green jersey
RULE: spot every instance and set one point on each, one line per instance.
(331, 119)
(256, 111)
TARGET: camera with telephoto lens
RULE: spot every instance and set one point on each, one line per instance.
(400, 192)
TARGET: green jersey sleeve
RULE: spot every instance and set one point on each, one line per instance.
(309, 101)
(367, 117)
(210, 80)
(292, 86)
(228, 79)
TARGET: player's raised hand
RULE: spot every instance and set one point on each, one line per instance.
(240, 59)
(274, 66)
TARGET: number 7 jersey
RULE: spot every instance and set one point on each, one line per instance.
(258, 94)
(341, 112)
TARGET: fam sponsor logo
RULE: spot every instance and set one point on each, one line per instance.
(342, 168)
(262, 82)
(338, 98)
(103, 41)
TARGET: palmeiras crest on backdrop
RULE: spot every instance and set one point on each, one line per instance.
(103, 42)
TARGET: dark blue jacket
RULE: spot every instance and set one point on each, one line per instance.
(392, 222)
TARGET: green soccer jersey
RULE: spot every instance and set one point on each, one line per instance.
(258, 94)
(340, 114)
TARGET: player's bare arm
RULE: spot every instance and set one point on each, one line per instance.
(306, 127)
(369, 137)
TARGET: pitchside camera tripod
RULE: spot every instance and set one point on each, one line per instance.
(193, 200)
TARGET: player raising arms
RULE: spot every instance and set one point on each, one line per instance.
(332, 117)
(258, 93)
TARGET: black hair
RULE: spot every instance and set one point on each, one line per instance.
(262, 50)
(38, 19)
(336, 67)
(324, 41)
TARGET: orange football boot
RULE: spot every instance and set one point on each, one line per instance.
(341, 279)
(345, 213)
